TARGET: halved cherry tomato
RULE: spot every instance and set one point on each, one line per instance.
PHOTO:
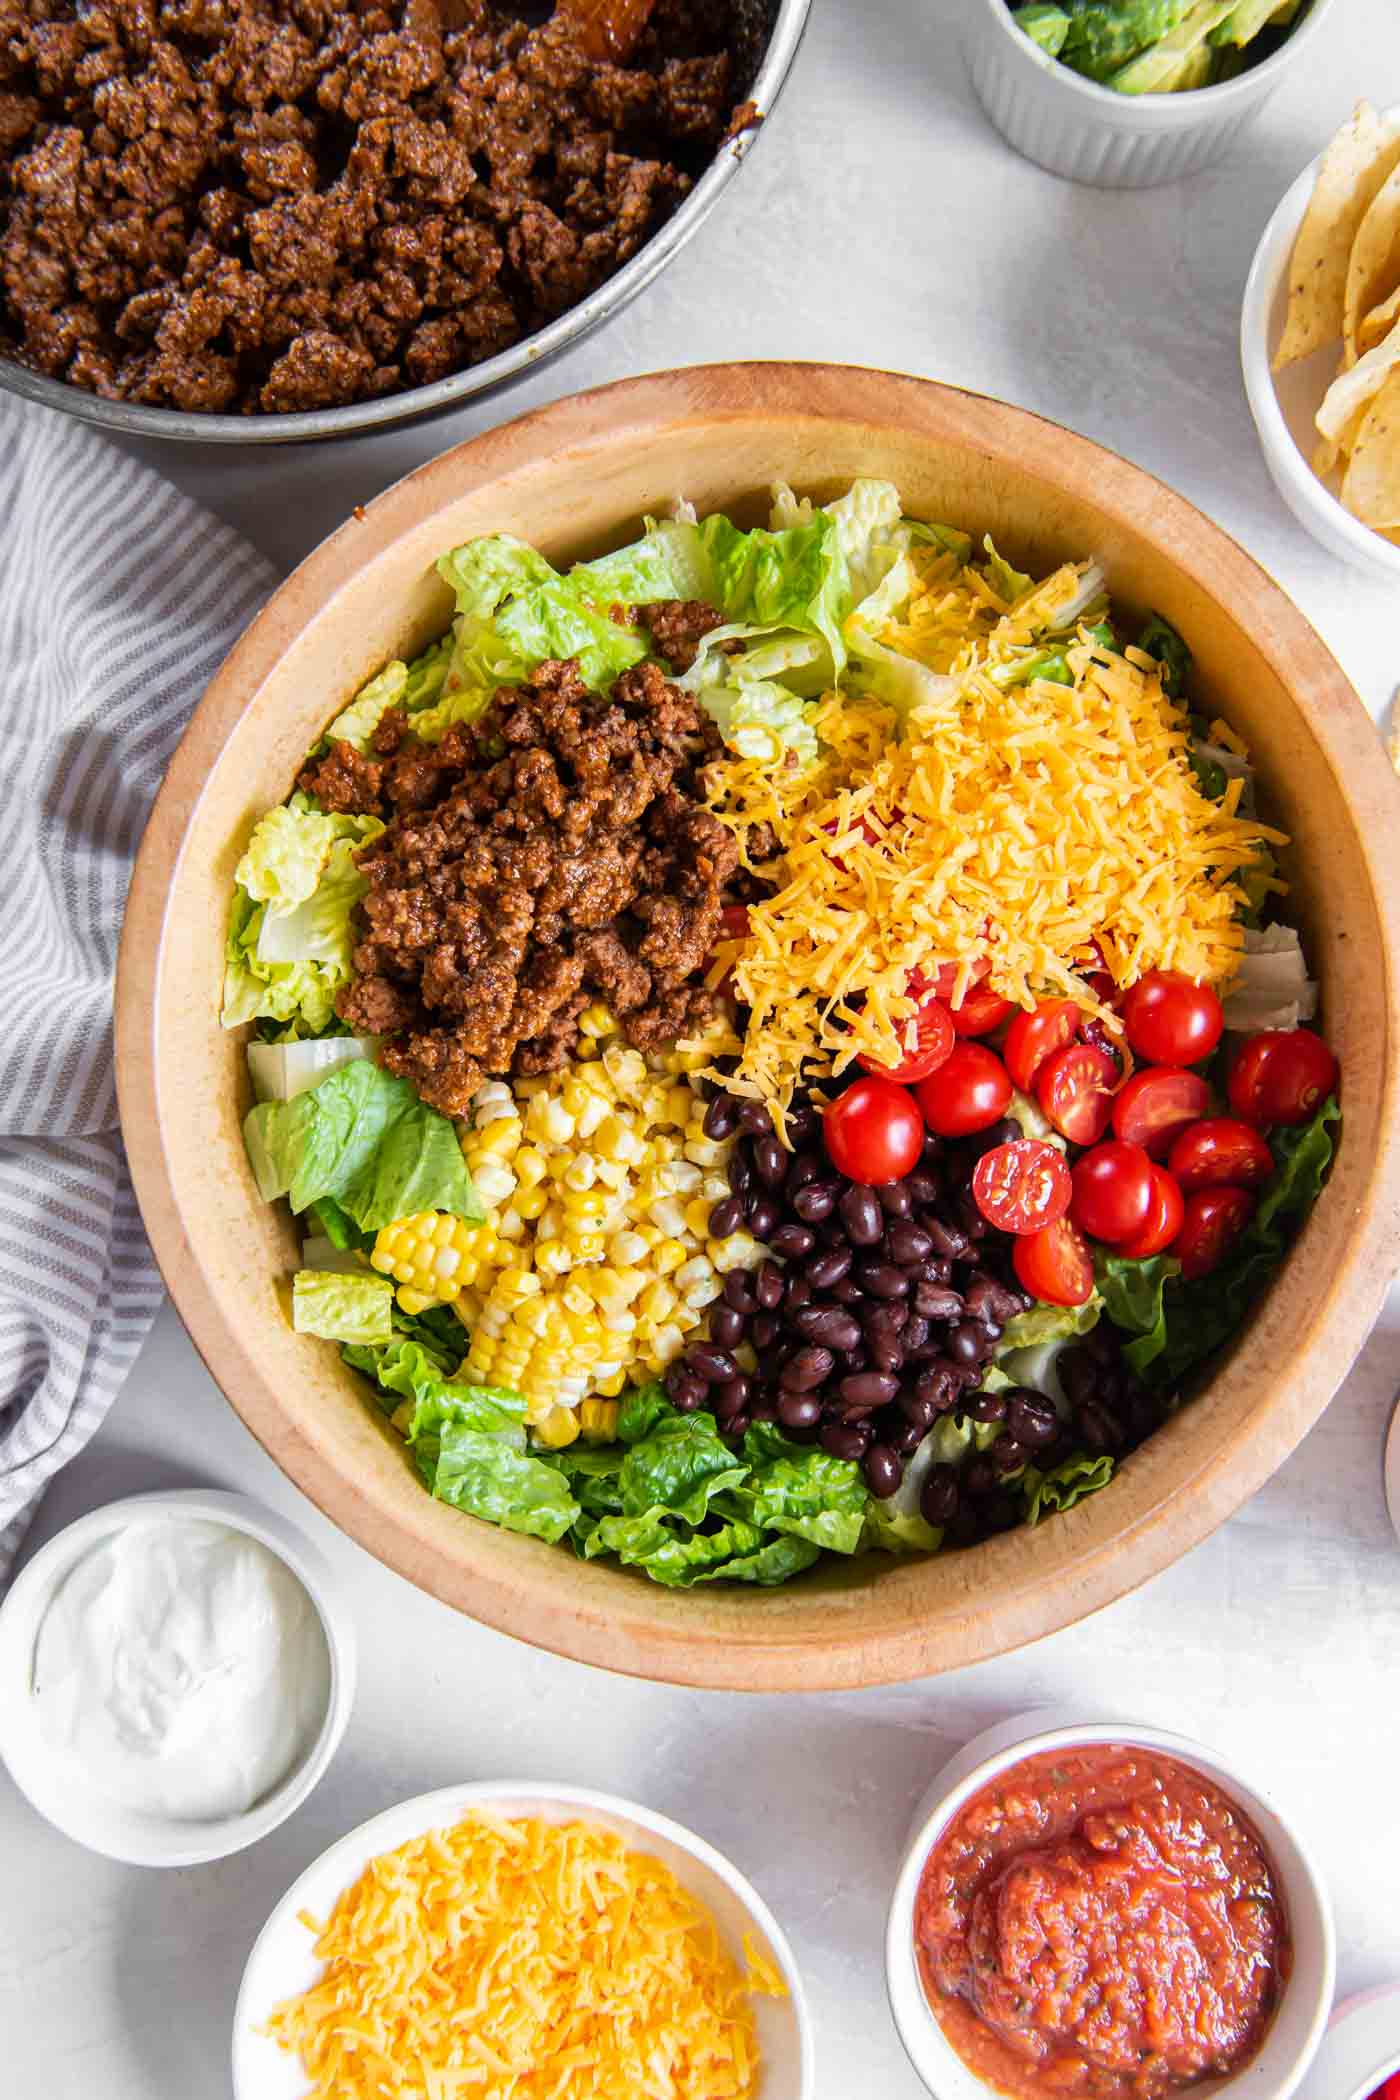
(873, 1132)
(1055, 1265)
(969, 1091)
(1112, 1191)
(1075, 1089)
(1212, 1221)
(933, 1041)
(862, 825)
(1281, 1076)
(1163, 1220)
(1221, 1153)
(1023, 1186)
(1034, 1037)
(1170, 1019)
(980, 1012)
(1155, 1107)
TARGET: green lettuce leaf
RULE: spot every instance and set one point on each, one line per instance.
(300, 997)
(1132, 1294)
(1049, 1323)
(802, 1490)
(594, 1477)
(1047, 1494)
(282, 862)
(669, 561)
(735, 1552)
(680, 1465)
(1008, 583)
(643, 1406)
(363, 1138)
(290, 929)
(1045, 25)
(794, 578)
(342, 1308)
(487, 1477)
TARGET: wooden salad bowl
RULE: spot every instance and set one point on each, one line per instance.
(576, 479)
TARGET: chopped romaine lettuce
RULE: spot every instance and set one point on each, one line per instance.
(802, 1490)
(762, 721)
(279, 1071)
(290, 932)
(365, 1139)
(283, 860)
(1047, 1494)
(343, 1308)
(1008, 583)
(1045, 25)
(669, 561)
(1132, 1294)
(1050, 1323)
(894, 1525)
(796, 578)
(679, 1466)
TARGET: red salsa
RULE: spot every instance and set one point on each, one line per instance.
(1101, 1923)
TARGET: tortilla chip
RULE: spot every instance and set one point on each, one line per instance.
(1377, 324)
(1355, 166)
(1371, 490)
(1373, 272)
(1354, 388)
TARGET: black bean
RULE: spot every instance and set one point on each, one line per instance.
(883, 1470)
(1002, 1132)
(763, 1410)
(731, 1398)
(737, 1292)
(803, 1124)
(734, 1425)
(1008, 1456)
(710, 1363)
(825, 1269)
(771, 1361)
(917, 1409)
(939, 1381)
(726, 1325)
(770, 1162)
(1031, 1418)
(848, 1291)
(764, 1215)
(868, 1388)
(797, 1292)
(909, 1243)
(887, 1353)
(828, 1324)
(922, 1187)
(755, 1118)
(1079, 1375)
(914, 1333)
(861, 1215)
(882, 1279)
(804, 1167)
(937, 1301)
(906, 1438)
(895, 1199)
(935, 1269)
(947, 1239)
(1096, 1427)
(720, 1117)
(799, 1410)
(765, 1329)
(816, 1201)
(980, 1476)
(845, 1439)
(768, 1286)
(810, 1368)
(792, 1241)
(685, 1389)
(726, 1217)
(938, 1498)
(740, 1172)
(853, 1359)
(990, 1301)
(985, 1407)
(971, 1219)
(966, 1343)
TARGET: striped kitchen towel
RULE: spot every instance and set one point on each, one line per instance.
(118, 599)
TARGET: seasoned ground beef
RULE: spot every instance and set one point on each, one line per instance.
(550, 855)
(277, 205)
(678, 626)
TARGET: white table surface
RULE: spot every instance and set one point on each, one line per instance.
(882, 222)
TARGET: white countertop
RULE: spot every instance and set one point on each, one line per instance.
(881, 221)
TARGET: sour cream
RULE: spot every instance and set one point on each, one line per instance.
(181, 1669)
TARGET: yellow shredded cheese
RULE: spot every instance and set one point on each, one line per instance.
(1014, 827)
(523, 1960)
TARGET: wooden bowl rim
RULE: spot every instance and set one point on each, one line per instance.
(1097, 1557)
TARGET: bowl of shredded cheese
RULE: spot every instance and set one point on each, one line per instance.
(495, 1940)
(935, 836)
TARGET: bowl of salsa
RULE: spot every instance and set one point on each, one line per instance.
(1106, 1911)
(1360, 2054)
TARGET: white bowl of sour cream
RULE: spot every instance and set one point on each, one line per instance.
(176, 1673)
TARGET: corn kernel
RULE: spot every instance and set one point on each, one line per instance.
(553, 1259)
(739, 1251)
(595, 1020)
(558, 1428)
(703, 1151)
(668, 1257)
(598, 1418)
(530, 1166)
(680, 1102)
(697, 1216)
(593, 1112)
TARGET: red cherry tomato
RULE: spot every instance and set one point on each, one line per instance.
(1112, 1192)
(980, 1012)
(933, 1040)
(969, 1091)
(1170, 1019)
(1163, 1220)
(1390, 2090)
(1075, 1089)
(1281, 1076)
(873, 1132)
(1220, 1153)
(1212, 1221)
(1034, 1037)
(1055, 1264)
(1023, 1186)
(1155, 1107)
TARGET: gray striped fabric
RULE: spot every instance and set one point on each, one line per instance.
(118, 598)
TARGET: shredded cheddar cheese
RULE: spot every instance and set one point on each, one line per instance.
(523, 1960)
(1013, 826)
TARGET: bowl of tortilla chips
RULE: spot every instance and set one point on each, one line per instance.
(1320, 344)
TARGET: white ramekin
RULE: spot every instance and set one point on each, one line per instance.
(1074, 127)
(1298, 2026)
(283, 1961)
(105, 1826)
(1283, 404)
(1360, 2049)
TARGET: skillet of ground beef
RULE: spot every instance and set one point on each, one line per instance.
(552, 854)
(278, 205)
